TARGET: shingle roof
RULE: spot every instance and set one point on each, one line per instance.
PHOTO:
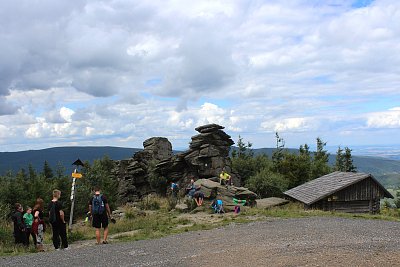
(326, 185)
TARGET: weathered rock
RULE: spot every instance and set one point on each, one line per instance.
(181, 207)
(159, 147)
(208, 154)
(271, 202)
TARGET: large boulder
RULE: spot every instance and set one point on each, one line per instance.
(228, 194)
(270, 202)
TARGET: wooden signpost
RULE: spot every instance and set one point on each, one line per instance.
(75, 175)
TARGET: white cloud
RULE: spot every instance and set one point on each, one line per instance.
(385, 119)
(286, 125)
(66, 114)
(100, 72)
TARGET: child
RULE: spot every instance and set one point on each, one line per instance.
(28, 220)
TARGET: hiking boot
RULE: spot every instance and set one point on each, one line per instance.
(105, 242)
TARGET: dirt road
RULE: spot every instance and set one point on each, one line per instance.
(312, 241)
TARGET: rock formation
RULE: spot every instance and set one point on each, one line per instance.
(208, 153)
(132, 174)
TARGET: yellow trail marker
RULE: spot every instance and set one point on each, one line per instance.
(76, 175)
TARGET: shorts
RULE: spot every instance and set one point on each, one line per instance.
(100, 220)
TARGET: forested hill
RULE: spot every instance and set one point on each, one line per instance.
(385, 170)
(64, 155)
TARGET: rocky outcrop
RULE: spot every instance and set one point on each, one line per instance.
(132, 174)
(207, 155)
(228, 194)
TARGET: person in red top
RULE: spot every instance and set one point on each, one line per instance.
(100, 212)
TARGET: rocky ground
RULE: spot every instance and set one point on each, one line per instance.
(314, 241)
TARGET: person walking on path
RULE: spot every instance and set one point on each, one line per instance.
(19, 226)
(28, 220)
(100, 212)
(57, 220)
(39, 225)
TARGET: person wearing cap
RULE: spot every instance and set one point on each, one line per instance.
(100, 211)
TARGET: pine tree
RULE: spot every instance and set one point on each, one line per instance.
(320, 163)
(339, 165)
(47, 171)
(348, 161)
(244, 150)
(279, 152)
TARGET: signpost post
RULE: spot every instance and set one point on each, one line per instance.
(75, 175)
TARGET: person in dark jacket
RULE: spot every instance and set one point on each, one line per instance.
(57, 220)
(19, 225)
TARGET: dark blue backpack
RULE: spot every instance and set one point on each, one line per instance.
(98, 204)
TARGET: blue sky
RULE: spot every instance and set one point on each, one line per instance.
(94, 73)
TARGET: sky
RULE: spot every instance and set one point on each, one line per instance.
(115, 73)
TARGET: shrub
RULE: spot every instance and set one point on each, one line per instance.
(149, 202)
(267, 183)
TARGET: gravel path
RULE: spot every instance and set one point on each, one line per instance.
(314, 241)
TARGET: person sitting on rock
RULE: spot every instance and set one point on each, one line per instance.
(198, 197)
(218, 206)
(191, 189)
(225, 178)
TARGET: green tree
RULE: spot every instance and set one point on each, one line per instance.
(47, 171)
(267, 183)
(249, 166)
(244, 150)
(278, 154)
(320, 165)
(245, 163)
(339, 165)
(348, 161)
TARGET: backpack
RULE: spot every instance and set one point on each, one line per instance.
(175, 187)
(53, 215)
(97, 204)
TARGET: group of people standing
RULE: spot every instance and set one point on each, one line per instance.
(31, 222)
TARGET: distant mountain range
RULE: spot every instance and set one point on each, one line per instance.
(387, 171)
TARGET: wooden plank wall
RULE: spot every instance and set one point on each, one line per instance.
(362, 197)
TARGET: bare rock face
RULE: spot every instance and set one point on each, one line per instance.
(158, 147)
(208, 153)
(132, 174)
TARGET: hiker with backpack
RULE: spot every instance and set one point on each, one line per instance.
(57, 221)
(100, 212)
(218, 206)
(174, 190)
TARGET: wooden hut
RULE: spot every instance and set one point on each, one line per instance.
(341, 191)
